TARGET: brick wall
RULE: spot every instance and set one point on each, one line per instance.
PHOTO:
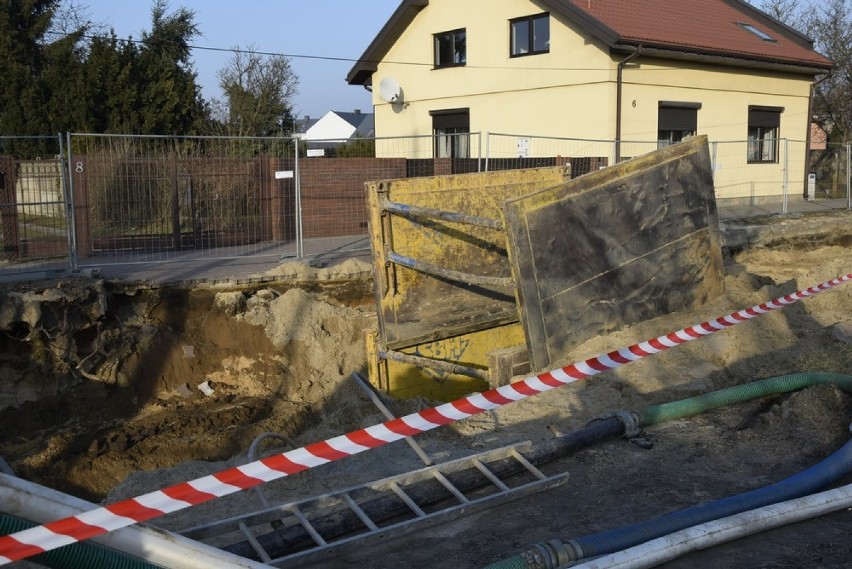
(333, 195)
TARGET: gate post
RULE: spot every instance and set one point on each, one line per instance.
(68, 199)
(8, 208)
(80, 206)
(848, 176)
(784, 171)
(176, 234)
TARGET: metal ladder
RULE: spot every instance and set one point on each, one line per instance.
(520, 478)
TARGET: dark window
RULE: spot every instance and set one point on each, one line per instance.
(451, 48)
(676, 121)
(530, 35)
(452, 133)
(763, 127)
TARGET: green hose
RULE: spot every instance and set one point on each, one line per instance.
(531, 559)
(738, 394)
(76, 555)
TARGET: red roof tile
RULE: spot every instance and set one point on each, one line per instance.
(709, 26)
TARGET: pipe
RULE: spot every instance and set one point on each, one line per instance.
(618, 88)
(76, 555)
(449, 274)
(828, 471)
(710, 534)
(599, 544)
(440, 365)
(416, 211)
(332, 524)
(831, 469)
(27, 500)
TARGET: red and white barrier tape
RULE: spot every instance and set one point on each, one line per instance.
(128, 512)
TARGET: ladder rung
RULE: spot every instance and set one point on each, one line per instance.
(254, 543)
(407, 499)
(306, 524)
(490, 475)
(359, 512)
(528, 465)
(439, 476)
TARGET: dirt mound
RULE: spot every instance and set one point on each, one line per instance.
(120, 411)
(132, 398)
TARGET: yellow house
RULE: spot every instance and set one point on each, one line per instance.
(636, 73)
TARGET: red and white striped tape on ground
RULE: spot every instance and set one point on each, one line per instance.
(128, 512)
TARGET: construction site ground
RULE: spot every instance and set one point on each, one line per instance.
(118, 411)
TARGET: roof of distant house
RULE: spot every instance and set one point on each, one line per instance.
(304, 123)
(358, 119)
(726, 31)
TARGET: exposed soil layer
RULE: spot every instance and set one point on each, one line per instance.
(122, 393)
(112, 372)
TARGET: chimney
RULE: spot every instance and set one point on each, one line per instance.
(357, 111)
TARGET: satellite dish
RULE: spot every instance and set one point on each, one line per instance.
(390, 91)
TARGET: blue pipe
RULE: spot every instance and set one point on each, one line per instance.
(557, 554)
(815, 478)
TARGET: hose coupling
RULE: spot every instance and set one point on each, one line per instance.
(632, 428)
(547, 555)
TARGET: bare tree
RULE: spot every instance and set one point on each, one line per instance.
(830, 22)
(790, 12)
(258, 93)
(71, 16)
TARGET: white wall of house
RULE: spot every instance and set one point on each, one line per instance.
(570, 92)
(503, 93)
(330, 127)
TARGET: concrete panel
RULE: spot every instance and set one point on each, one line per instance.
(615, 247)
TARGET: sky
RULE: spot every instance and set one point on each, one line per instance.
(328, 28)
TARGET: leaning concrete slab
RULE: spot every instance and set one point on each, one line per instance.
(615, 247)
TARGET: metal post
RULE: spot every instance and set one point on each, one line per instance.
(784, 170)
(487, 148)
(67, 181)
(299, 236)
(479, 152)
(848, 176)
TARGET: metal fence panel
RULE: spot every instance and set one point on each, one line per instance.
(830, 167)
(33, 214)
(115, 199)
(743, 188)
(513, 151)
(153, 199)
(333, 174)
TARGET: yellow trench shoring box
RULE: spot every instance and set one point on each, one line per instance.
(445, 295)
(481, 277)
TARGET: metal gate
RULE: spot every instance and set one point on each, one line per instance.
(34, 228)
